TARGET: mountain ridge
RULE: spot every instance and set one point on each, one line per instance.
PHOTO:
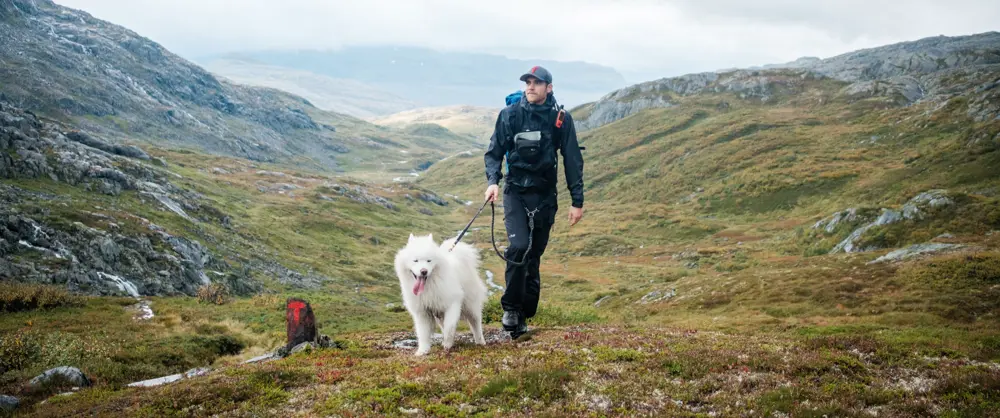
(903, 72)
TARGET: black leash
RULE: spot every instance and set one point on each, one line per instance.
(531, 235)
(493, 239)
(467, 226)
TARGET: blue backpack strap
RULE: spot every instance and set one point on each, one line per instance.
(514, 97)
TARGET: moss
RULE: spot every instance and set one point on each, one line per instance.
(543, 385)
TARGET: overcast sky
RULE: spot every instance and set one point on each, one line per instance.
(643, 39)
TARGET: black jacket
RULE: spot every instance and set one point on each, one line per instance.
(535, 171)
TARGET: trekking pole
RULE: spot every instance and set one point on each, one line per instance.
(469, 225)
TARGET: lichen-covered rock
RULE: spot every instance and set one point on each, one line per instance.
(8, 403)
(916, 208)
(63, 375)
(913, 251)
(356, 193)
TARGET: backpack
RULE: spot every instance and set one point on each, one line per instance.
(516, 97)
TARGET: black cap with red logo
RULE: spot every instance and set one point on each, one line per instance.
(539, 73)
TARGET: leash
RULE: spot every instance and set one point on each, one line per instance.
(531, 235)
(467, 226)
(493, 239)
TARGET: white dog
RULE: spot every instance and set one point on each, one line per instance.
(441, 286)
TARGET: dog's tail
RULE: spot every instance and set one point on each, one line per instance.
(464, 251)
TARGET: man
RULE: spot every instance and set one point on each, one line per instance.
(527, 135)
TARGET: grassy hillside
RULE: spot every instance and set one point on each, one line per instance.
(474, 122)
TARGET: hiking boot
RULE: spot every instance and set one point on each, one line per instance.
(511, 321)
(520, 330)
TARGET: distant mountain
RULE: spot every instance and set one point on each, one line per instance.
(92, 75)
(339, 95)
(471, 121)
(902, 73)
(440, 78)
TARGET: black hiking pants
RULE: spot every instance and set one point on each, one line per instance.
(523, 282)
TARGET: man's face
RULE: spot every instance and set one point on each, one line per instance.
(536, 90)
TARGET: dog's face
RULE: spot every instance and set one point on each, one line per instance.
(420, 257)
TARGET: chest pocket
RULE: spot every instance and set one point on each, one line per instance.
(528, 146)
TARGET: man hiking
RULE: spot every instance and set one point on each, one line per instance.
(529, 133)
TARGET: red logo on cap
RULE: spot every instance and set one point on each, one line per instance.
(533, 69)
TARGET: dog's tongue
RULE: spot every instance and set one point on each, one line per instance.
(419, 287)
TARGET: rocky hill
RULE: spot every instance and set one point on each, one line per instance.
(66, 65)
(902, 74)
(350, 97)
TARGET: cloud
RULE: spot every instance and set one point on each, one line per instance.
(644, 38)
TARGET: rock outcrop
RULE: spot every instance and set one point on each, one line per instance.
(9, 403)
(914, 251)
(63, 375)
(917, 208)
(95, 251)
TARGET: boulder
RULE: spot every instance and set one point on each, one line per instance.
(913, 251)
(8, 403)
(60, 376)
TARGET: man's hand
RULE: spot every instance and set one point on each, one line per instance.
(492, 192)
(575, 214)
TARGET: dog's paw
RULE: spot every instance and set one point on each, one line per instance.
(422, 352)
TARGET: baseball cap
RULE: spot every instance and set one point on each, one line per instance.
(539, 73)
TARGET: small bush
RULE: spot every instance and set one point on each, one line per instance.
(18, 297)
(217, 293)
(18, 350)
(492, 310)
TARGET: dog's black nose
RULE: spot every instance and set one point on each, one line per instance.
(423, 272)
